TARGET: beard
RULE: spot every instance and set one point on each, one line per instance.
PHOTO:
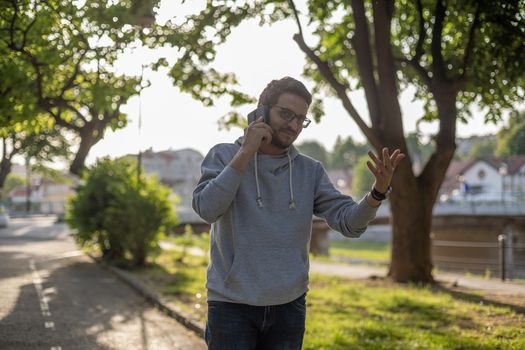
(279, 143)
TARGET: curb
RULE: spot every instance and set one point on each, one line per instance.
(156, 300)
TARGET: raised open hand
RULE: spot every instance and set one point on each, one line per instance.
(383, 169)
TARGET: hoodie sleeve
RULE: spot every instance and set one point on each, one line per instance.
(217, 186)
(340, 211)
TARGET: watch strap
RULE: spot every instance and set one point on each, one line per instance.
(378, 196)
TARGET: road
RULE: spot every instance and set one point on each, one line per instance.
(54, 297)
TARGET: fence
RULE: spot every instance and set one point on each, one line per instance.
(503, 257)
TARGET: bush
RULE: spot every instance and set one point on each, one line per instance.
(118, 214)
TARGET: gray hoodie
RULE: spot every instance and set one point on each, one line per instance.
(261, 222)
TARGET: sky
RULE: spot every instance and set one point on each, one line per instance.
(173, 120)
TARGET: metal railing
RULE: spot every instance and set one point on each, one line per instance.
(503, 256)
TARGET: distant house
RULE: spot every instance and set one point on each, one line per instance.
(179, 170)
(486, 175)
(46, 197)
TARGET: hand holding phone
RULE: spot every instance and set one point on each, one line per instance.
(257, 133)
(261, 111)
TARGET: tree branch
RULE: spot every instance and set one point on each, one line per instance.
(296, 15)
(438, 65)
(68, 84)
(13, 20)
(423, 73)
(24, 37)
(422, 33)
(391, 122)
(340, 90)
(61, 122)
(470, 43)
(365, 61)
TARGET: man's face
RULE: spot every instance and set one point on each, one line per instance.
(285, 132)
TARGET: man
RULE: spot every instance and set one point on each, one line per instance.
(260, 194)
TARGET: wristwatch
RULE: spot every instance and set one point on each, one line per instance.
(378, 196)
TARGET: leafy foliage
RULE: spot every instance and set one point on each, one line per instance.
(118, 213)
(315, 150)
(60, 61)
(511, 139)
(483, 148)
(346, 153)
(363, 178)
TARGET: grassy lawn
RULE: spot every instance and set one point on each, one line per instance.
(351, 314)
(360, 250)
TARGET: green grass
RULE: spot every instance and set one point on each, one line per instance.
(345, 314)
(350, 314)
(179, 277)
(362, 250)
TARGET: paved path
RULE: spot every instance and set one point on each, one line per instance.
(493, 286)
(53, 297)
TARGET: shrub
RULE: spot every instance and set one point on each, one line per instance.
(119, 214)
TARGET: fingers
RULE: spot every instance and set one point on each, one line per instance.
(372, 168)
(389, 161)
(398, 158)
(261, 130)
(375, 159)
(258, 120)
(386, 158)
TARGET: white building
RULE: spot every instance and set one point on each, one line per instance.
(179, 170)
(500, 177)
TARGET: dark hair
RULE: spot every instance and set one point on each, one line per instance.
(276, 88)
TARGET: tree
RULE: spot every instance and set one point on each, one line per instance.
(66, 53)
(315, 150)
(346, 153)
(484, 148)
(12, 181)
(453, 53)
(31, 139)
(119, 214)
(511, 140)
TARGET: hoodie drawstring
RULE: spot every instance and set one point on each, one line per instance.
(258, 199)
(291, 203)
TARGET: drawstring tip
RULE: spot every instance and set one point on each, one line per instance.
(291, 205)
(259, 202)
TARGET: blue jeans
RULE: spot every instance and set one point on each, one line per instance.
(243, 327)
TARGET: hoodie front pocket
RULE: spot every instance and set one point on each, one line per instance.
(267, 273)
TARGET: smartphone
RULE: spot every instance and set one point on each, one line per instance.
(259, 112)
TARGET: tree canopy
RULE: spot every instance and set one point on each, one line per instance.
(60, 60)
(511, 139)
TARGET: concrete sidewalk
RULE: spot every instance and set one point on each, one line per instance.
(488, 285)
(492, 285)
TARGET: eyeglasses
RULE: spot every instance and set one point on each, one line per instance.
(289, 116)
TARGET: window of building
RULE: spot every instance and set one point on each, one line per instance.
(481, 174)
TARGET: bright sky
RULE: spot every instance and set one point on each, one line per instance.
(171, 119)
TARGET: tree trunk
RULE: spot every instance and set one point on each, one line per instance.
(413, 199)
(88, 138)
(5, 169)
(411, 224)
